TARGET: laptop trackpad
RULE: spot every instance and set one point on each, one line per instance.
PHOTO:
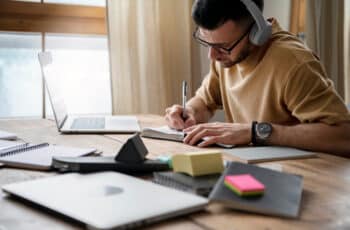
(88, 123)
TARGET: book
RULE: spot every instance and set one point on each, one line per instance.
(200, 185)
(282, 194)
(39, 156)
(166, 133)
(4, 135)
(265, 154)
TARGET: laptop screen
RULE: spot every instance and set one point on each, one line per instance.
(54, 88)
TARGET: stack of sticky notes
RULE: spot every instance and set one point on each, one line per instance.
(198, 163)
(244, 185)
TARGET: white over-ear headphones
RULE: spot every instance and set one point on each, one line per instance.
(262, 29)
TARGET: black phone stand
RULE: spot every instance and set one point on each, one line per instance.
(130, 159)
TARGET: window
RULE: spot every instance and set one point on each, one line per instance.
(83, 61)
(20, 76)
(101, 3)
(75, 32)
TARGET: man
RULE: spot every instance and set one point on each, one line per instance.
(276, 93)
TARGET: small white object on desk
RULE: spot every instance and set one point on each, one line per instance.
(7, 135)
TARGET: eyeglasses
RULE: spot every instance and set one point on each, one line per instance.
(218, 47)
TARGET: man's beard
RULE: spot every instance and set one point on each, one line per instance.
(241, 57)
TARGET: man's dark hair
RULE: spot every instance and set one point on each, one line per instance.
(211, 14)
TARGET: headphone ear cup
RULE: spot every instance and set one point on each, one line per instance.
(260, 37)
(253, 34)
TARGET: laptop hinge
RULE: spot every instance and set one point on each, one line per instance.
(62, 123)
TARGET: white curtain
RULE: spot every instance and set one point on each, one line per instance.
(347, 51)
(152, 52)
(327, 35)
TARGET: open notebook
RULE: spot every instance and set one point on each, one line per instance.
(38, 156)
(166, 133)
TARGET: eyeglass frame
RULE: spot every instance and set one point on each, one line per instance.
(215, 46)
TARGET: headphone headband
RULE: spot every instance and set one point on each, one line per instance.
(262, 30)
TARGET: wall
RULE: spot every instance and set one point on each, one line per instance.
(279, 9)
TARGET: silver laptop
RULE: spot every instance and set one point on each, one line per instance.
(79, 124)
(107, 200)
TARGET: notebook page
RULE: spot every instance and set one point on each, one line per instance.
(167, 130)
(167, 133)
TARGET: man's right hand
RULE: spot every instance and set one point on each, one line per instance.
(174, 119)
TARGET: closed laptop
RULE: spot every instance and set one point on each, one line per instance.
(107, 200)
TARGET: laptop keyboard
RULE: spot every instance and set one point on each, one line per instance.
(89, 123)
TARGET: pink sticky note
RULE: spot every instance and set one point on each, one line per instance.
(244, 182)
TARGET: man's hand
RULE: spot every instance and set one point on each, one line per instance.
(224, 133)
(174, 119)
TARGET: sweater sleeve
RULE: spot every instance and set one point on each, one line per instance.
(311, 96)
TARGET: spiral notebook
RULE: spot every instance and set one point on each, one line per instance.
(200, 185)
(11, 145)
(39, 156)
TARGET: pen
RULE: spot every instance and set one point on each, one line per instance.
(184, 99)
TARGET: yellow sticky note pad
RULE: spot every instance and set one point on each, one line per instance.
(198, 163)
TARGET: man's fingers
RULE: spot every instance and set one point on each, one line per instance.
(190, 122)
(178, 124)
(209, 141)
(198, 134)
(173, 117)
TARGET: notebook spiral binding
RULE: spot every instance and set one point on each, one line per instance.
(21, 149)
(172, 184)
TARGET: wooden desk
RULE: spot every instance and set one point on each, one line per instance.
(325, 203)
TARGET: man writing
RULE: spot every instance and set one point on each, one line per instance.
(272, 88)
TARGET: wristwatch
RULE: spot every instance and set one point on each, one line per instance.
(261, 132)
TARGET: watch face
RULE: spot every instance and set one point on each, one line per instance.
(263, 130)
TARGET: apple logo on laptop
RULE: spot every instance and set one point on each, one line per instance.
(112, 190)
(91, 191)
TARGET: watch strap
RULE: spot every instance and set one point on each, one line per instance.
(253, 140)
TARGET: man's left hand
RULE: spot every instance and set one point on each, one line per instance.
(223, 133)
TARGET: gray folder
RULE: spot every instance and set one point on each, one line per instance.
(265, 154)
